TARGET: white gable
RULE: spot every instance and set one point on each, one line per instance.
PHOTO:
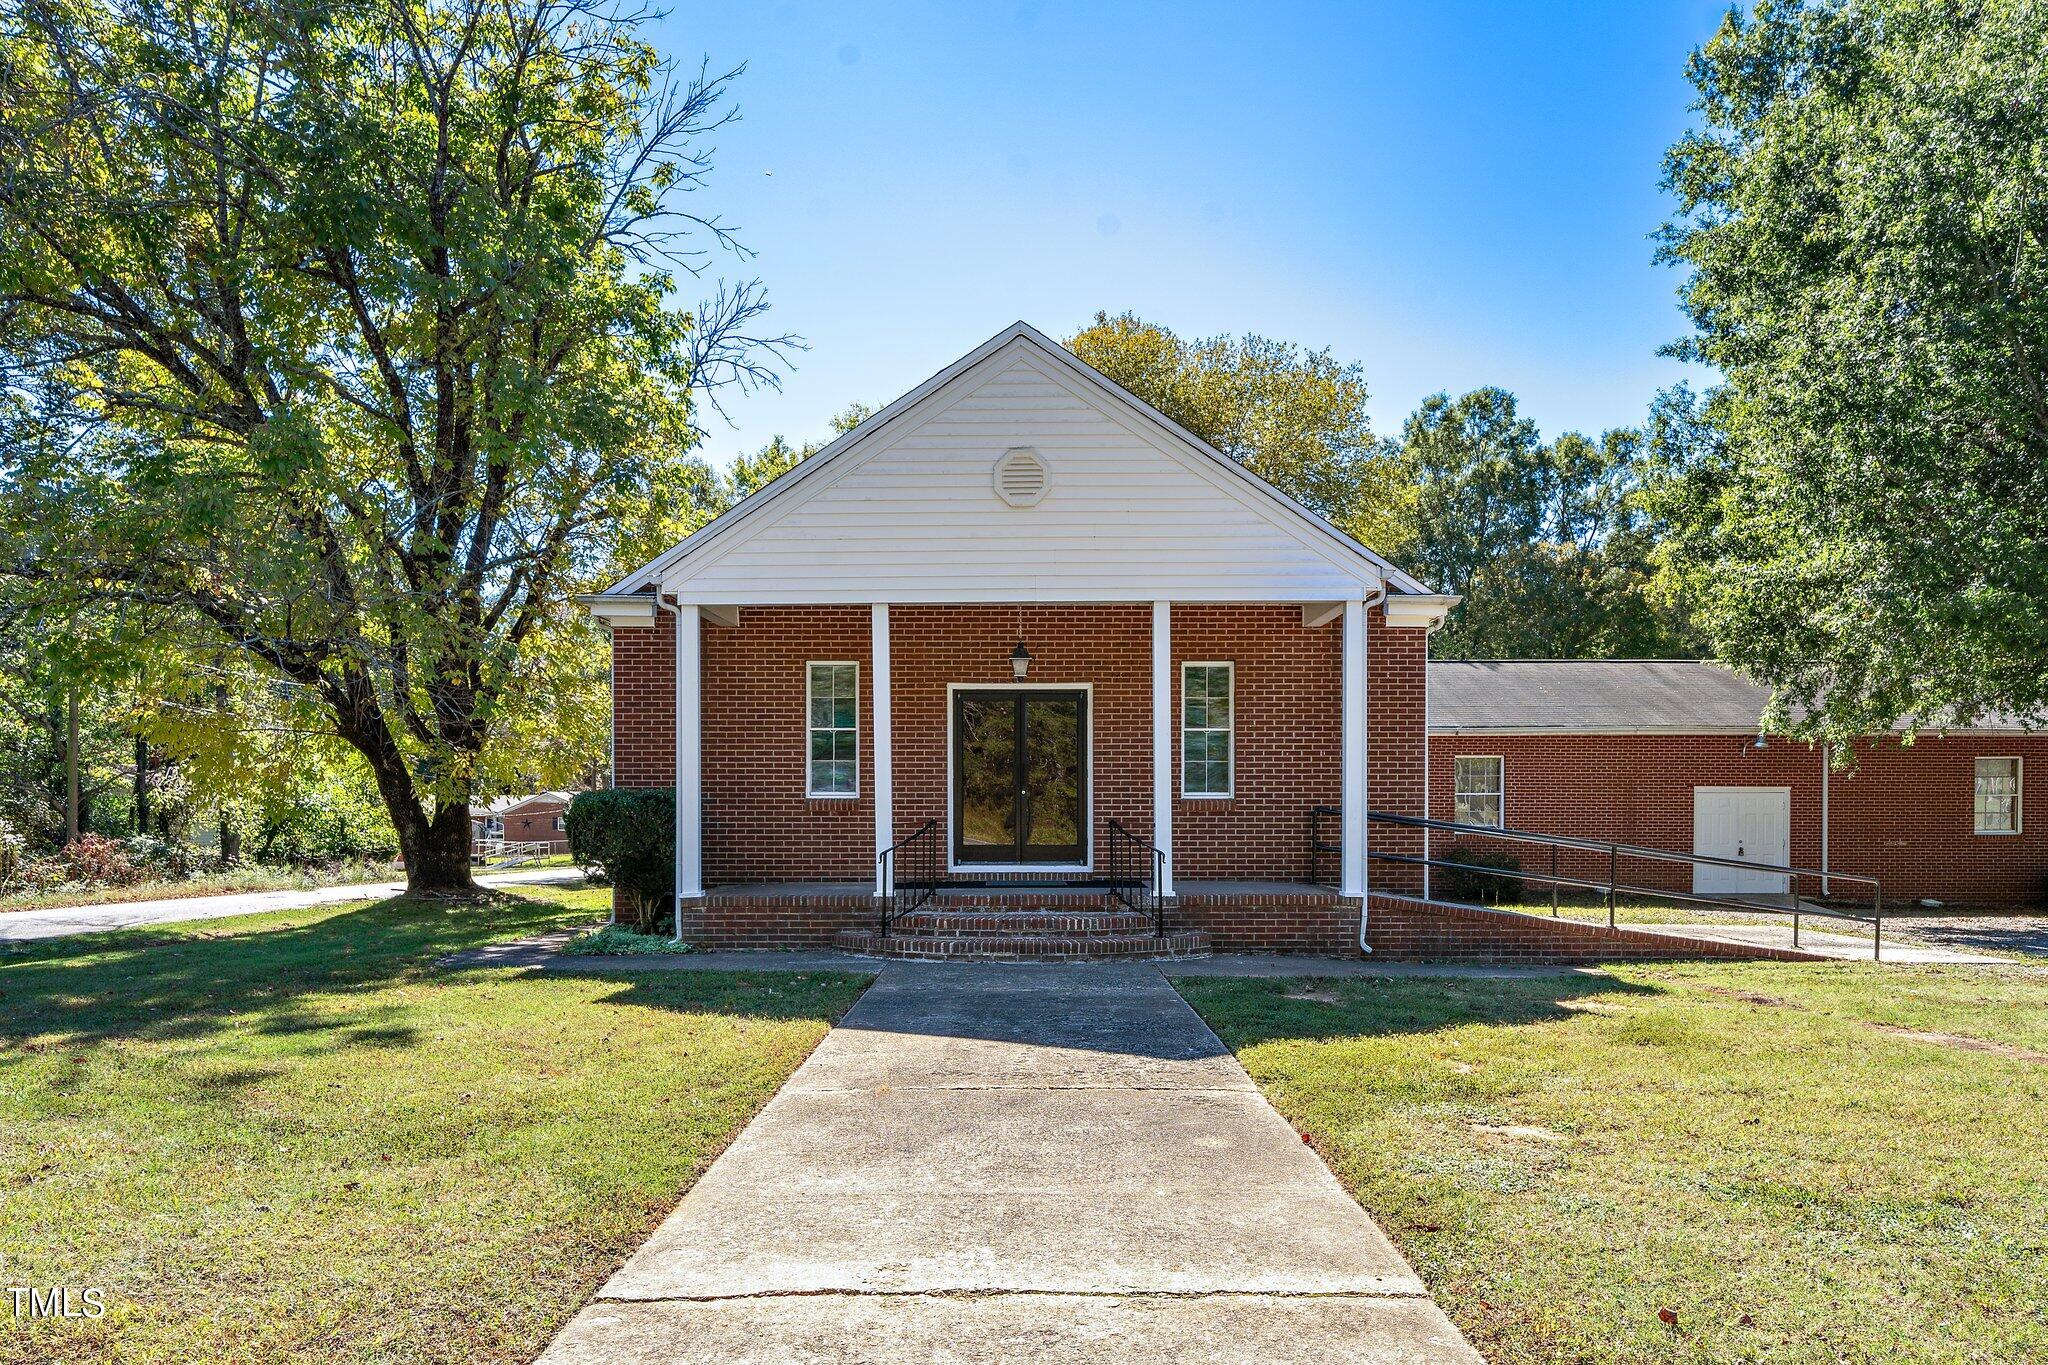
(921, 504)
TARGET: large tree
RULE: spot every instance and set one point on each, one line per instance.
(1546, 541)
(1296, 418)
(1861, 513)
(342, 334)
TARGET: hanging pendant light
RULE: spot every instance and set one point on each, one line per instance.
(1020, 661)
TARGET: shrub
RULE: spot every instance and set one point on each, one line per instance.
(1475, 888)
(99, 861)
(628, 834)
(160, 857)
(13, 855)
(617, 940)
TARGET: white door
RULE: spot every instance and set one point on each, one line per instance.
(1750, 823)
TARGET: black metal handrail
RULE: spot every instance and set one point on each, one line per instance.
(1612, 886)
(1318, 845)
(1124, 853)
(917, 853)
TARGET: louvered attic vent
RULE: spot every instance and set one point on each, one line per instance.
(1021, 477)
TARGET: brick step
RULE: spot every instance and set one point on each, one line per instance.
(987, 921)
(1023, 947)
(981, 898)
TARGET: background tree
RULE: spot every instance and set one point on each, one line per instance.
(1861, 514)
(1548, 543)
(342, 336)
(1296, 418)
(750, 473)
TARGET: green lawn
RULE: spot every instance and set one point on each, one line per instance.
(1755, 1148)
(291, 1136)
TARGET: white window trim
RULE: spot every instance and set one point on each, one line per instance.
(811, 666)
(1500, 793)
(1230, 731)
(2019, 795)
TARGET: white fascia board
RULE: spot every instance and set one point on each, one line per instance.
(1571, 731)
(1426, 610)
(619, 609)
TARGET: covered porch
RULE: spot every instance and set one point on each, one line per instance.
(993, 745)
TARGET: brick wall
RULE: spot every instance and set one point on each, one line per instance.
(536, 824)
(1399, 744)
(1905, 816)
(759, 826)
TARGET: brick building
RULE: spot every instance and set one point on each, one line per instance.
(540, 818)
(1020, 634)
(1670, 755)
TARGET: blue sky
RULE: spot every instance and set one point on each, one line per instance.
(1453, 194)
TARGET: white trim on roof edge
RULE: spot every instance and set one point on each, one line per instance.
(720, 528)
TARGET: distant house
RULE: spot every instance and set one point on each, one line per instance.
(537, 819)
(1669, 754)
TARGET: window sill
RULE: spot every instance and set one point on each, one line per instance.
(1997, 833)
(831, 796)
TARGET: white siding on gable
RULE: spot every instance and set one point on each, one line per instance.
(1129, 514)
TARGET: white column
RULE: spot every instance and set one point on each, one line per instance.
(689, 753)
(1352, 879)
(1162, 739)
(885, 776)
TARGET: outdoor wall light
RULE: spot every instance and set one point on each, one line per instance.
(1020, 661)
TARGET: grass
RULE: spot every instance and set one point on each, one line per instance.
(293, 1137)
(230, 881)
(1757, 1150)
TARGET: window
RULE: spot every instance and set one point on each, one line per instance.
(1205, 729)
(561, 824)
(1998, 796)
(1477, 793)
(834, 707)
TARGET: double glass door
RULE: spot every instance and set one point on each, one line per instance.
(1020, 776)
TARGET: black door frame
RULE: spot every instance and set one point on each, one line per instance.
(1015, 857)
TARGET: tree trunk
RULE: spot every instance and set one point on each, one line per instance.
(230, 841)
(141, 785)
(437, 852)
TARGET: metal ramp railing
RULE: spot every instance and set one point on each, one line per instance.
(1612, 887)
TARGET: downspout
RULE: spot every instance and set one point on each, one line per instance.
(1827, 763)
(1373, 599)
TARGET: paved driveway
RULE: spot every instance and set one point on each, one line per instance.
(998, 1162)
(19, 925)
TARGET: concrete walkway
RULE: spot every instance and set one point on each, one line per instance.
(1831, 942)
(59, 921)
(988, 1163)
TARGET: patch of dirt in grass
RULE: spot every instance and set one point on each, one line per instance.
(1324, 996)
(1959, 1041)
(1517, 1132)
(1750, 997)
(1966, 1044)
